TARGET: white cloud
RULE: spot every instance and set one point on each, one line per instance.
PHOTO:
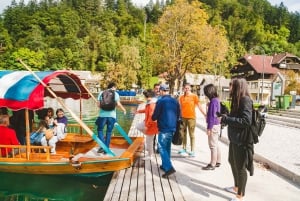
(140, 2)
(292, 5)
(5, 3)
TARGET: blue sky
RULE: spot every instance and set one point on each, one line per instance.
(293, 5)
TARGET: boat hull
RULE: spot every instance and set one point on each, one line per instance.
(63, 164)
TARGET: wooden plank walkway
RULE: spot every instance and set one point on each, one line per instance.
(143, 181)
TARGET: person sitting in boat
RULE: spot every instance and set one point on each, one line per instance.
(36, 136)
(8, 137)
(58, 131)
(50, 117)
(41, 113)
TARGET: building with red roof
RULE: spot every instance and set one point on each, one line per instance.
(261, 71)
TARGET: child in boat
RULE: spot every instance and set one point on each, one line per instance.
(58, 131)
(50, 115)
(148, 126)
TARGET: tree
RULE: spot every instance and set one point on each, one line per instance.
(5, 39)
(185, 42)
(124, 72)
(292, 83)
(35, 60)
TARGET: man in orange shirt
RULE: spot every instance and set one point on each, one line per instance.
(188, 102)
(7, 136)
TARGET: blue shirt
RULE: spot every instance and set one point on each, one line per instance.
(167, 113)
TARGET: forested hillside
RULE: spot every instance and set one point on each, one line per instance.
(130, 45)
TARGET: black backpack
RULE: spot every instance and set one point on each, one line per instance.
(107, 101)
(177, 137)
(258, 125)
(223, 108)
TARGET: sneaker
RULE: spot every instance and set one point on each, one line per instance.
(101, 151)
(237, 199)
(168, 173)
(192, 154)
(182, 151)
(208, 167)
(230, 190)
(218, 164)
(147, 158)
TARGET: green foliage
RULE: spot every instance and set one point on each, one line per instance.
(186, 42)
(124, 43)
(256, 22)
(5, 39)
(35, 60)
(153, 81)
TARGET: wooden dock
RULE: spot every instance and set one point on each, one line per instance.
(143, 181)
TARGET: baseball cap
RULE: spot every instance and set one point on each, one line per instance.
(164, 87)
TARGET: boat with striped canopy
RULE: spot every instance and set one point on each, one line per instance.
(27, 90)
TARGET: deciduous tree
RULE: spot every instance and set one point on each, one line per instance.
(185, 42)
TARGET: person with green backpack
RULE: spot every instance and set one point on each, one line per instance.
(107, 102)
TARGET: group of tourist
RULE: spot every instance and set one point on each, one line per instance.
(13, 129)
(163, 112)
(51, 129)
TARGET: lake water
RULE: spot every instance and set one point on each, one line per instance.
(24, 187)
(90, 111)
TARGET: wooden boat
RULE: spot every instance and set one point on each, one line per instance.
(27, 89)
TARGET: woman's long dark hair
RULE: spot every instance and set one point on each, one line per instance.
(239, 89)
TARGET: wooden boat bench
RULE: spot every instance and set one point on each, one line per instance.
(75, 138)
(77, 143)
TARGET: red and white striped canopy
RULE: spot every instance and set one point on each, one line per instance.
(21, 89)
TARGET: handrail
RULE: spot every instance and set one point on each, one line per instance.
(19, 149)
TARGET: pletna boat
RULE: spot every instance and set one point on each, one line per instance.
(27, 90)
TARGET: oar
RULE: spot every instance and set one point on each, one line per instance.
(123, 133)
(90, 93)
(81, 123)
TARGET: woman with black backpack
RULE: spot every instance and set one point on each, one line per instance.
(241, 142)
